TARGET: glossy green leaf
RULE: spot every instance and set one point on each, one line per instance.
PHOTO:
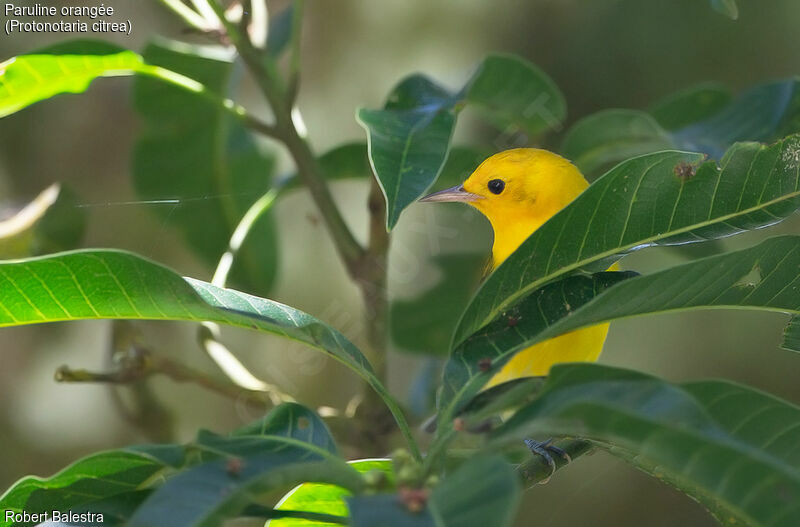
(730, 447)
(28, 79)
(295, 421)
(110, 483)
(691, 105)
(241, 469)
(791, 335)
(51, 222)
(346, 161)
(606, 137)
(763, 277)
(483, 491)
(726, 7)
(193, 151)
(115, 284)
(665, 198)
(328, 499)
(425, 323)
(409, 138)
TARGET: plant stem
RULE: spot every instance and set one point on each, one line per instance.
(537, 470)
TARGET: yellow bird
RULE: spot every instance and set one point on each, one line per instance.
(518, 190)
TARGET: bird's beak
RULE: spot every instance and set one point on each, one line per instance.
(456, 193)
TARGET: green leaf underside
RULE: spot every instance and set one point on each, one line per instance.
(241, 468)
(483, 491)
(791, 335)
(28, 79)
(324, 498)
(295, 421)
(107, 483)
(191, 149)
(659, 199)
(730, 447)
(763, 277)
(409, 138)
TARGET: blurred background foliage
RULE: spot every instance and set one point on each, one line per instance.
(602, 54)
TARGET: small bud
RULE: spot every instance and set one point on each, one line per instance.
(459, 424)
(413, 499)
(234, 466)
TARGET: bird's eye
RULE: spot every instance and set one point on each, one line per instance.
(496, 186)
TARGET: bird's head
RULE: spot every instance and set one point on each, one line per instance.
(517, 190)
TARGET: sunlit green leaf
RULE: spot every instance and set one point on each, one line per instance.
(730, 447)
(193, 152)
(114, 284)
(28, 79)
(328, 499)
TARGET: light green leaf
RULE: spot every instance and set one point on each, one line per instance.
(112, 483)
(730, 447)
(295, 421)
(115, 284)
(763, 277)
(659, 199)
(192, 150)
(328, 499)
(483, 491)
(28, 79)
(240, 469)
(409, 138)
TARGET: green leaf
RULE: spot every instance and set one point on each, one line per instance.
(328, 499)
(115, 284)
(107, 483)
(658, 199)
(409, 138)
(461, 162)
(483, 491)
(791, 335)
(193, 151)
(425, 323)
(604, 138)
(728, 446)
(691, 105)
(763, 277)
(700, 119)
(511, 91)
(242, 468)
(51, 222)
(28, 79)
(295, 421)
(726, 7)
